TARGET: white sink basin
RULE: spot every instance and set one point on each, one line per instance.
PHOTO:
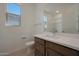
(48, 34)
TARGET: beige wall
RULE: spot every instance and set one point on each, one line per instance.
(11, 37)
(70, 18)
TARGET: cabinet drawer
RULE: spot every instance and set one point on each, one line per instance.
(50, 52)
(40, 48)
(40, 41)
(61, 49)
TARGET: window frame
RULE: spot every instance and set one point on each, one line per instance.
(15, 14)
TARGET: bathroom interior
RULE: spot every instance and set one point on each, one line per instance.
(39, 29)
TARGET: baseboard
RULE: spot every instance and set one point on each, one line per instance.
(4, 54)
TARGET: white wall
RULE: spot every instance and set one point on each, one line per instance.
(11, 37)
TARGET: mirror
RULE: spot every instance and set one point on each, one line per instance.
(62, 17)
(13, 15)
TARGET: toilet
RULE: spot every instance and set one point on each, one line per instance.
(29, 45)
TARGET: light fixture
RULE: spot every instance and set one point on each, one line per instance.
(57, 11)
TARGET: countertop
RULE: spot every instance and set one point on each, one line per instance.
(65, 39)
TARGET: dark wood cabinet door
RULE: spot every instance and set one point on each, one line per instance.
(38, 53)
(39, 47)
(50, 52)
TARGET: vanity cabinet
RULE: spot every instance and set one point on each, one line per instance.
(47, 48)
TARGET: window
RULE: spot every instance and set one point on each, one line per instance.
(45, 22)
(13, 16)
